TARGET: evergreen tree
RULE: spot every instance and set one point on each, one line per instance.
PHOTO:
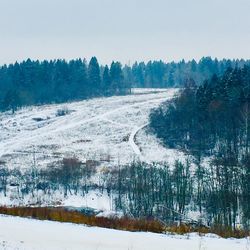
(58, 81)
(117, 78)
(11, 101)
(94, 76)
(106, 81)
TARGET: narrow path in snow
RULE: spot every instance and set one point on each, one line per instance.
(62, 124)
(94, 129)
(116, 123)
(132, 141)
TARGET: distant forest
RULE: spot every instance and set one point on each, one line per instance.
(35, 82)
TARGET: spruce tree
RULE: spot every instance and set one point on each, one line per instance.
(94, 77)
(116, 74)
(106, 81)
(11, 101)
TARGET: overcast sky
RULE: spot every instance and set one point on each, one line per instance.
(124, 30)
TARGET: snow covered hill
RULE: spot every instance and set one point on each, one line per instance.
(108, 130)
(26, 234)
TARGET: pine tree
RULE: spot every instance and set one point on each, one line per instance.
(106, 81)
(117, 78)
(11, 101)
(94, 77)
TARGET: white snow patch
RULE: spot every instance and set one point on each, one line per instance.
(28, 234)
(97, 129)
(93, 199)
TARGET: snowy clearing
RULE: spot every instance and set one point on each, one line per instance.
(26, 234)
(101, 129)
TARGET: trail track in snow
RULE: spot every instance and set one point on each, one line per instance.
(63, 124)
(101, 129)
(133, 142)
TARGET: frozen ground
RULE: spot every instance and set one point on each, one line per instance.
(26, 234)
(101, 202)
(108, 130)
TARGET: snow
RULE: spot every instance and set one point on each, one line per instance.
(139, 91)
(101, 129)
(132, 139)
(26, 234)
(93, 199)
(108, 130)
(153, 151)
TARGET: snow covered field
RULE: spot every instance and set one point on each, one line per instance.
(26, 234)
(108, 130)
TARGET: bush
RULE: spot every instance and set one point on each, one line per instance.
(62, 112)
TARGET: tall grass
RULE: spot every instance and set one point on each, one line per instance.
(63, 215)
(128, 224)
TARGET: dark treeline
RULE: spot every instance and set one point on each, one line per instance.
(172, 193)
(212, 120)
(158, 74)
(35, 82)
(166, 193)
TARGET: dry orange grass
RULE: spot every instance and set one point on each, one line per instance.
(128, 224)
(63, 215)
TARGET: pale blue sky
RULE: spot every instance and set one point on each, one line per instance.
(124, 30)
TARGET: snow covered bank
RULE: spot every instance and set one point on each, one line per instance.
(26, 234)
(96, 129)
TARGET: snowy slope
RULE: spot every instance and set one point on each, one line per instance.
(101, 129)
(26, 234)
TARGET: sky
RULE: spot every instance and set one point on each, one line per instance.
(124, 30)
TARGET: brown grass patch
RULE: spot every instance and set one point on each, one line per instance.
(63, 215)
(128, 224)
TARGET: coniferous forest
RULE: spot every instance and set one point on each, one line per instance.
(211, 121)
(35, 82)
